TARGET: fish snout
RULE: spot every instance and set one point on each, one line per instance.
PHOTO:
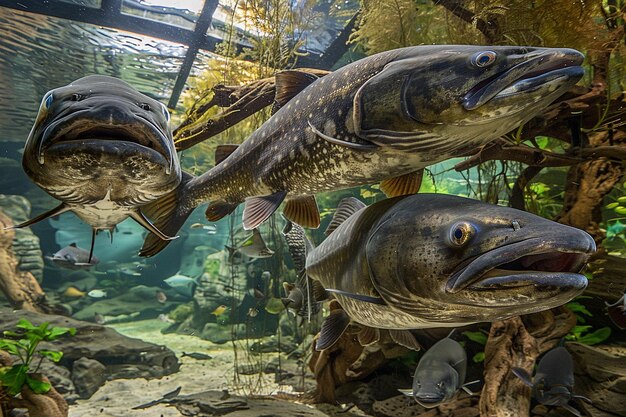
(429, 399)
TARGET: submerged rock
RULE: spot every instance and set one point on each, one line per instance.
(88, 375)
(118, 353)
(25, 243)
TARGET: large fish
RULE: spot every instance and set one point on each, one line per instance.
(434, 260)
(104, 150)
(73, 257)
(382, 118)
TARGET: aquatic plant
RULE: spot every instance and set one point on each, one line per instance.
(24, 343)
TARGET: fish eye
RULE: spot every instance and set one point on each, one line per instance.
(461, 233)
(47, 102)
(144, 106)
(484, 59)
(77, 97)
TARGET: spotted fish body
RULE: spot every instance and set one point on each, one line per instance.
(434, 260)
(104, 150)
(381, 117)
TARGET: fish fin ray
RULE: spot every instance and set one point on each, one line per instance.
(572, 410)
(223, 151)
(360, 297)
(405, 338)
(289, 84)
(318, 291)
(259, 209)
(523, 375)
(140, 218)
(303, 210)
(332, 329)
(167, 214)
(219, 209)
(366, 146)
(61, 208)
(368, 335)
(407, 392)
(346, 208)
(402, 185)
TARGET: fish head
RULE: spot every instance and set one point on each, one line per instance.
(555, 395)
(434, 385)
(442, 91)
(100, 134)
(454, 260)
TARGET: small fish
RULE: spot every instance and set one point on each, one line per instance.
(274, 305)
(73, 292)
(160, 296)
(97, 294)
(197, 356)
(253, 312)
(553, 383)
(211, 229)
(182, 284)
(617, 312)
(99, 318)
(165, 318)
(294, 297)
(219, 310)
(253, 247)
(73, 257)
(168, 396)
(440, 374)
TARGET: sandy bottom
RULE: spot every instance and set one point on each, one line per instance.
(116, 398)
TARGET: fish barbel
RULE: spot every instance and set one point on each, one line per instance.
(381, 118)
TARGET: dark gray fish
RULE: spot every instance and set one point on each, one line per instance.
(617, 312)
(166, 397)
(435, 260)
(440, 374)
(253, 247)
(553, 383)
(104, 150)
(197, 356)
(382, 118)
(73, 257)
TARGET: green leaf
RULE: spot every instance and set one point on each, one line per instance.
(479, 357)
(14, 378)
(25, 324)
(478, 337)
(53, 355)
(578, 308)
(38, 387)
(596, 337)
(57, 332)
(9, 346)
(611, 206)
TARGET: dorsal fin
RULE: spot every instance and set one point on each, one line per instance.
(289, 83)
(223, 151)
(406, 184)
(347, 207)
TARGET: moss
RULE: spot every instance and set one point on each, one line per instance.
(181, 313)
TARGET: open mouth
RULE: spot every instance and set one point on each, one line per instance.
(83, 129)
(529, 262)
(527, 76)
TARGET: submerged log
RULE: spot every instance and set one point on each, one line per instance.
(518, 342)
(20, 288)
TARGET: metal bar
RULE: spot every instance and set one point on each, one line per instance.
(337, 48)
(199, 33)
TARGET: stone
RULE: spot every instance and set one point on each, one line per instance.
(220, 334)
(274, 344)
(88, 375)
(61, 379)
(25, 243)
(100, 343)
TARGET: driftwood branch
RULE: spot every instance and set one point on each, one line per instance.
(488, 28)
(239, 102)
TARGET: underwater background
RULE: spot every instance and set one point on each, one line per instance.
(207, 314)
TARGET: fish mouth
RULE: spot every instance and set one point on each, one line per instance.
(82, 127)
(551, 69)
(535, 261)
(429, 400)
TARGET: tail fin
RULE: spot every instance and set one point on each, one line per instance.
(168, 214)
(299, 245)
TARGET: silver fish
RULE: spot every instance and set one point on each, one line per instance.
(104, 150)
(73, 257)
(434, 260)
(382, 118)
(253, 247)
(440, 374)
(182, 284)
(553, 382)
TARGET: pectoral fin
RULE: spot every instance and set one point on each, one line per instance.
(523, 375)
(406, 184)
(259, 209)
(303, 211)
(407, 392)
(61, 208)
(405, 338)
(333, 327)
(368, 335)
(363, 146)
(346, 208)
(360, 297)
